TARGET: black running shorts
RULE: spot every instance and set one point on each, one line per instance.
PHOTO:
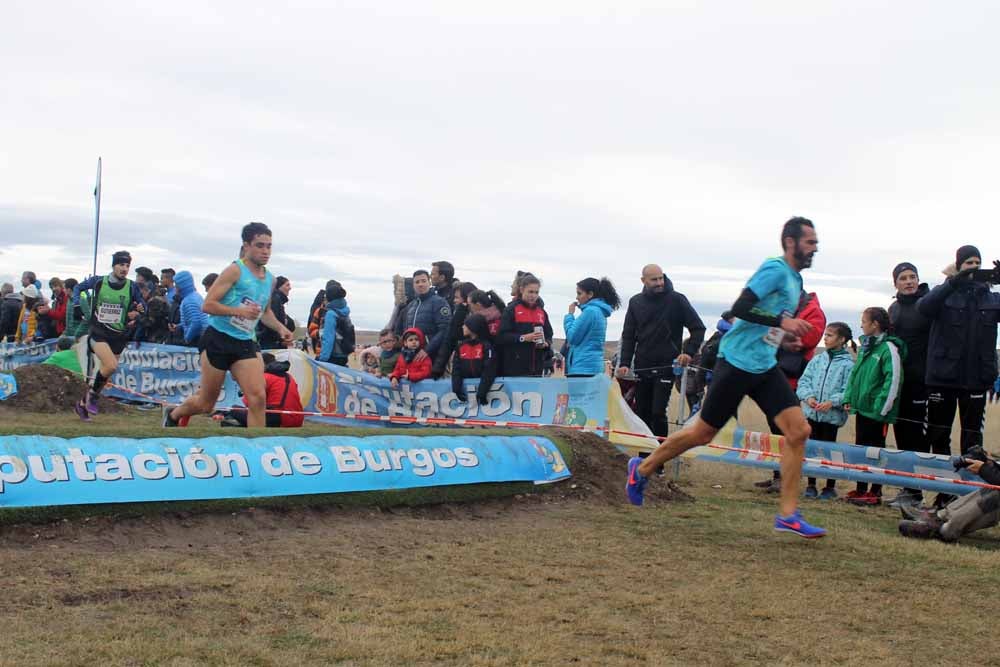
(101, 334)
(222, 350)
(769, 390)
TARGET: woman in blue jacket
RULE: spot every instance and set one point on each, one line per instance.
(585, 334)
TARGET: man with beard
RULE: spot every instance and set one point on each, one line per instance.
(651, 342)
(913, 329)
(235, 303)
(747, 366)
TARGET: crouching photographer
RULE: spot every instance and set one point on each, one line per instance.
(974, 511)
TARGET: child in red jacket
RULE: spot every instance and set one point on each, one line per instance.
(413, 364)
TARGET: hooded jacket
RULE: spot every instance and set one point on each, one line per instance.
(654, 329)
(193, 320)
(877, 376)
(586, 335)
(429, 313)
(793, 364)
(961, 348)
(10, 312)
(519, 358)
(337, 340)
(914, 329)
(825, 379)
(408, 369)
(282, 391)
(57, 313)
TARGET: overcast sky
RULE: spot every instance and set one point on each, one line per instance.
(573, 139)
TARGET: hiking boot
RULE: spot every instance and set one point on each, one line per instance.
(635, 487)
(828, 493)
(81, 411)
(91, 402)
(851, 495)
(775, 486)
(764, 484)
(942, 500)
(811, 492)
(917, 530)
(796, 524)
(907, 498)
(866, 499)
(917, 513)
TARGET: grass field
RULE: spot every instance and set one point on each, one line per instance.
(502, 582)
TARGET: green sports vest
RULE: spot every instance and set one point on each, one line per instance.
(111, 305)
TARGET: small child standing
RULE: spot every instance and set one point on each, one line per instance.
(873, 391)
(474, 358)
(389, 344)
(821, 390)
(411, 365)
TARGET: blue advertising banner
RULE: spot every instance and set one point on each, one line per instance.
(757, 445)
(38, 470)
(8, 386)
(573, 401)
(14, 356)
(170, 374)
(164, 373)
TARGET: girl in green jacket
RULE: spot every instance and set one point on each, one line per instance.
(873, 391)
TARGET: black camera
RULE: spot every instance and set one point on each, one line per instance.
(976, 453)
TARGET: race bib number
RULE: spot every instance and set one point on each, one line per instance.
(775, 335)
(241, 323)
(109, 313)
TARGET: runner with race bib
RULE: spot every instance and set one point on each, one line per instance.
(748, 366)
(237, 300)
(116, 302)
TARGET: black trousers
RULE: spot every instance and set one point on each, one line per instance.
(652, 397)
(941, 404)
(827, 433)
(910, 428)
(870, 433)
(271, 419)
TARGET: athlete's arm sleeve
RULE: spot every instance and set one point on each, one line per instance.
(746, 309)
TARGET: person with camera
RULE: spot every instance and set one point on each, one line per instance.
(961, 356)
(969, 513)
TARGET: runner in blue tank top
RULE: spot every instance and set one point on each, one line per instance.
(747, 366)
(237, 300)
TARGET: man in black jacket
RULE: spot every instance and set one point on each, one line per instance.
(428, 312)
(651, 342)
(975, 511)
(961, 356)
(914, 329)
(10, 310)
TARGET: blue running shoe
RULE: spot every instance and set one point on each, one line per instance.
(636, 485)
(796, 524)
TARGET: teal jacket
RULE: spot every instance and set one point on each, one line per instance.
(876, 379)
(825, 379)
(585, 336)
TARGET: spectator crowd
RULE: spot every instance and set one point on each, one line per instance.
(927, 355)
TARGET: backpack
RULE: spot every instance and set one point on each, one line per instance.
(345, 340)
